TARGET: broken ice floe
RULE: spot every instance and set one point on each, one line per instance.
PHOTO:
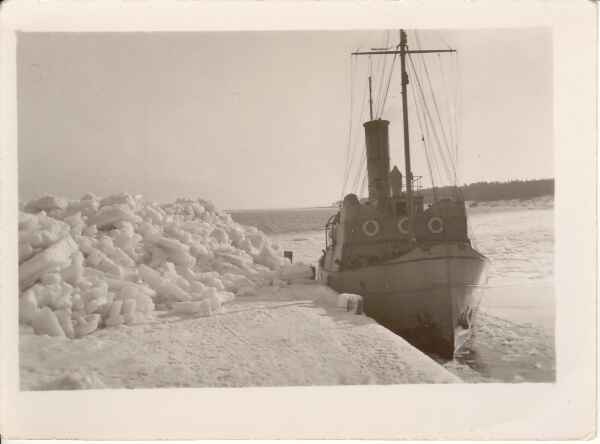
(93, 263)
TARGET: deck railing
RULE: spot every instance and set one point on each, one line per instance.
(417, 183)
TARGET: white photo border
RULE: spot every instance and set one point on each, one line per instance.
(561, 410)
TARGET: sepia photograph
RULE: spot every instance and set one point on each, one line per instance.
(235, 212)
(323, 208)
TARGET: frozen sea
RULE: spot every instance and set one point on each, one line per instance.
(513, 339)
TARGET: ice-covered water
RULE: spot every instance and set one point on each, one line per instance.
(513, 339)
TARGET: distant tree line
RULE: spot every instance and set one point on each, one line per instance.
(489, 191)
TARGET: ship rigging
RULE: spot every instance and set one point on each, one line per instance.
(433, 126)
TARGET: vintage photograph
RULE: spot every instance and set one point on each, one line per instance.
(285, 208)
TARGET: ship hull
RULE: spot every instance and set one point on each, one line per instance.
(429, 297)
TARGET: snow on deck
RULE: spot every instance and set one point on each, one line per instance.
(290, 335)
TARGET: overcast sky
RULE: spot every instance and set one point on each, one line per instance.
(260, 119)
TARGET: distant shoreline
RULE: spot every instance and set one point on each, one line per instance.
(479, 202)
(474, 192)
(257, 210)
(290, 220)
(495, 191)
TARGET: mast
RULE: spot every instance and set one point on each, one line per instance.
(370, 100)
(408, 172)
(403, 50)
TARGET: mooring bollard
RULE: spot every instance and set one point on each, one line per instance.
(354, 304)
(359, 306)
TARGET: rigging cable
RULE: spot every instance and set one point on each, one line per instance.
(430, 128)
(452, 147)
(429, 166)
(387, 88)
(352, 156)
(427, 130)
(362, 185)
(435, 103)
(447, 104)
(383, 66)
(356, 140)
(359, 173)
(458, 115)
(428, 113)
(452, 104)
(348, 148)
(362, 164)
(458, 126)
(437, 110)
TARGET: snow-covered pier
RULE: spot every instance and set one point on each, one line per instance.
(293, 335)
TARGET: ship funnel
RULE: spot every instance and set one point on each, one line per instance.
(378, 160)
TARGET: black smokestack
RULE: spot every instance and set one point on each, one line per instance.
(378, 160)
